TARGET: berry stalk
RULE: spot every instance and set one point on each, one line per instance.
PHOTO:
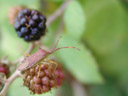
(9, 81)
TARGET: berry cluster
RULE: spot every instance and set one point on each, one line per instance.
(40, 79)
(30, 25)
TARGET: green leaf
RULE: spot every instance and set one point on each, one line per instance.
(11, 45)
(106, 35)
(107, 89)
(74, 19)
(17, 89)
(56, 0)
(81, 63)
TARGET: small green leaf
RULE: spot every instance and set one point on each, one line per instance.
(74, 19)
(80, 63)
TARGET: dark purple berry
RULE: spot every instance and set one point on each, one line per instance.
(20, 15)
(43, 18)
(19, 34)
(23, 21)
(35, 17)
(17, 25)
(26, 11)
(34, 12)
(41, 25)
(30, 25)
(34, 31)
(26, 38)
(24, 30)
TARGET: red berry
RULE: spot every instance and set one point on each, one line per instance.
(42, 80)
(37, 80)
(45, 80)
(38, 88)
(45, 88)
(41, 74)
(4, 69)
(44, 66)
(52, 83)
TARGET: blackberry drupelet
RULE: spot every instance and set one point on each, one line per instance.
(30, 25)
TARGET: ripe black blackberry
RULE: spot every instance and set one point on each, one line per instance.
(30, 24)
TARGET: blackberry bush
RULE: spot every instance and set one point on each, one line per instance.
(30, 24)
(39, 73)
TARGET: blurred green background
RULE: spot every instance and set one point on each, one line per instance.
(97, 27)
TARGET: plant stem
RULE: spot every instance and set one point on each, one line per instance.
(9, 81)
(31, 47)
(78, 89)
(57, 13)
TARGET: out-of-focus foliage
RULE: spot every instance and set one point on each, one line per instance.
(97, 27)
(106, 35)
(74, 19)
(81, 64)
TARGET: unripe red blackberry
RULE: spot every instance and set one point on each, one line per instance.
(30, 24)
(13, 13)
(4, 69)
(40, 79)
